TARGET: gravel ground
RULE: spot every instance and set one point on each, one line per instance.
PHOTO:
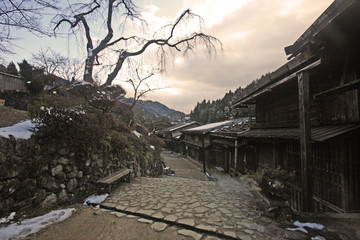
(90, 224)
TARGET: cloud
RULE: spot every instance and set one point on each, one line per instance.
(254, 34)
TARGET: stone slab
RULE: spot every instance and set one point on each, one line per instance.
(159, 226)
(189, 233)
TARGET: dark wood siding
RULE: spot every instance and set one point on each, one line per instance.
(341, 108)
(280, 108)
(275, 109)
(336, 174)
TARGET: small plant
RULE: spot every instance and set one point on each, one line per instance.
(273, 182)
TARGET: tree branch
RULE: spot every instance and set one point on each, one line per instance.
(78, 17)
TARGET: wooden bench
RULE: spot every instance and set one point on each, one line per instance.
(114, 177)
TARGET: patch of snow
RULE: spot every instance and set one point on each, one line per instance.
(81, 83)
(20, 130)
(95, 199)
(301, 226)
(301, 229)
(90, 52)
(8, 219)
(152, 147)
(210, 126)
(316, 226)
(318, 238)
(33, 225)
(112, 86)
(137, 133)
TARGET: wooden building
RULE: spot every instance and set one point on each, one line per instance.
(198, 141)
(11, 82)
(171, 135)
(308, 111)
(229, 152)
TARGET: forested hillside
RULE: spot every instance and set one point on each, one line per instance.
(219, 110)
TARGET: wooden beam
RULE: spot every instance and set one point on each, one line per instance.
(203, 151)
(305, 142)
(256, 93)
(236, 155)
(339, 89)
(336, 9)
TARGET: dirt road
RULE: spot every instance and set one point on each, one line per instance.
(96, 224)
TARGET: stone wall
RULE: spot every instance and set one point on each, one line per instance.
(33, 175)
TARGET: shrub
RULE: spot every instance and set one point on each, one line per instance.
(123, 112)
(61, 120)
(273, 182)
(35, 85)
(100, 97)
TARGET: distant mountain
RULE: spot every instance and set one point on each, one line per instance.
(154, 110)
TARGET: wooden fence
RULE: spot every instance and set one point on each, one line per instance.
(11, 82)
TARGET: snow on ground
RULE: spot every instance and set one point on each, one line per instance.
(301, 226)
(152, 147)
(8, 219)
(33, 225)
(137, 134)
(318, 238)
(95, 199)
(20, 130)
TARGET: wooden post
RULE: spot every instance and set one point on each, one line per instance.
(307, 183)
(203, 151)
(236, 155)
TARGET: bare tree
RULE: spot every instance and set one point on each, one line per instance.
(49, 60)
(123, 47)
(22, 14)
(72, 70)
(141, 85)
(56, 64)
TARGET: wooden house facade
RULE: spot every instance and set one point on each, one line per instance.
(213, 151)
(230, 153)
(308, 111)
(171, 135)
(11, 82)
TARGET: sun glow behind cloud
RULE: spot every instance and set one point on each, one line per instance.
(253, 32)
(213, 11)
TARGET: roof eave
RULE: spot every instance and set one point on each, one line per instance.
(332, 12)
(300, 63)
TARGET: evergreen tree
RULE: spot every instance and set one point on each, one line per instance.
(26, 70)
(220, 109)
(11, 69)
(34, 77)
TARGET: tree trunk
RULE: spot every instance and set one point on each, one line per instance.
(89, 65)
(116, 70)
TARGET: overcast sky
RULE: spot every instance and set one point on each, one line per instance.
(253, 32)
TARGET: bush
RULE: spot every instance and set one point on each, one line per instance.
(273, 182)
(16, 99)
(35, 85)
(64, 120)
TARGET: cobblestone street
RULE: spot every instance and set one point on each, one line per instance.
(183, 207)
(224, 208)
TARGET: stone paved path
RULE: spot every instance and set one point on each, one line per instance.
(183, 167)
(224, 207)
